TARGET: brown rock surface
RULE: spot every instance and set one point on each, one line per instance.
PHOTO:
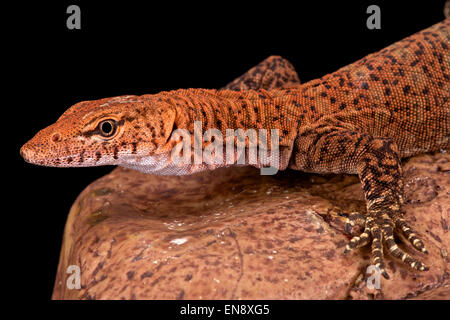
(234, 234)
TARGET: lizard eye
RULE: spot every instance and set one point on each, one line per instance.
(107, 128)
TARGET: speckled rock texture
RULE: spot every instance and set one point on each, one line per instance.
(234, 234)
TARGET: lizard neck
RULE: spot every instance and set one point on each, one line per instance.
(263, 120)
(227, 109)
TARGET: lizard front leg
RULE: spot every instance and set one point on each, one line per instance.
(330, 149)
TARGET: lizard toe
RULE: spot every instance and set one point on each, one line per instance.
(358, 241)
(411, 235)
(398, 253)
(354, 219)
(377, 250)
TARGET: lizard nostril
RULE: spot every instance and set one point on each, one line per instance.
(56, 137)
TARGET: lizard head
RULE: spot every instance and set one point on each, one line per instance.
(111, 131)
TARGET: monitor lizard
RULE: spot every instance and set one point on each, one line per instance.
(361, 119)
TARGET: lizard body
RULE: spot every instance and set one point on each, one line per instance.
(361, 119)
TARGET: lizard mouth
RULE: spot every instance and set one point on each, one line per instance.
(43, 157)
(33, 156)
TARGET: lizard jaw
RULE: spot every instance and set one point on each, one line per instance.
(35, 155)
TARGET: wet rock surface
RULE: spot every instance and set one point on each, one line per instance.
(234, 234)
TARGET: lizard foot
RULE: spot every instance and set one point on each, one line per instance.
(378, 229)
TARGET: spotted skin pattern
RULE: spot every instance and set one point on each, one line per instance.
(361, 119)
(273, 73)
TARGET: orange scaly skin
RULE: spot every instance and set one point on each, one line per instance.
(360, 120)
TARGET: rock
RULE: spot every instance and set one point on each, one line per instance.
(234, 234)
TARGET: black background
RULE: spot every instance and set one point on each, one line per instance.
(134, 48)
